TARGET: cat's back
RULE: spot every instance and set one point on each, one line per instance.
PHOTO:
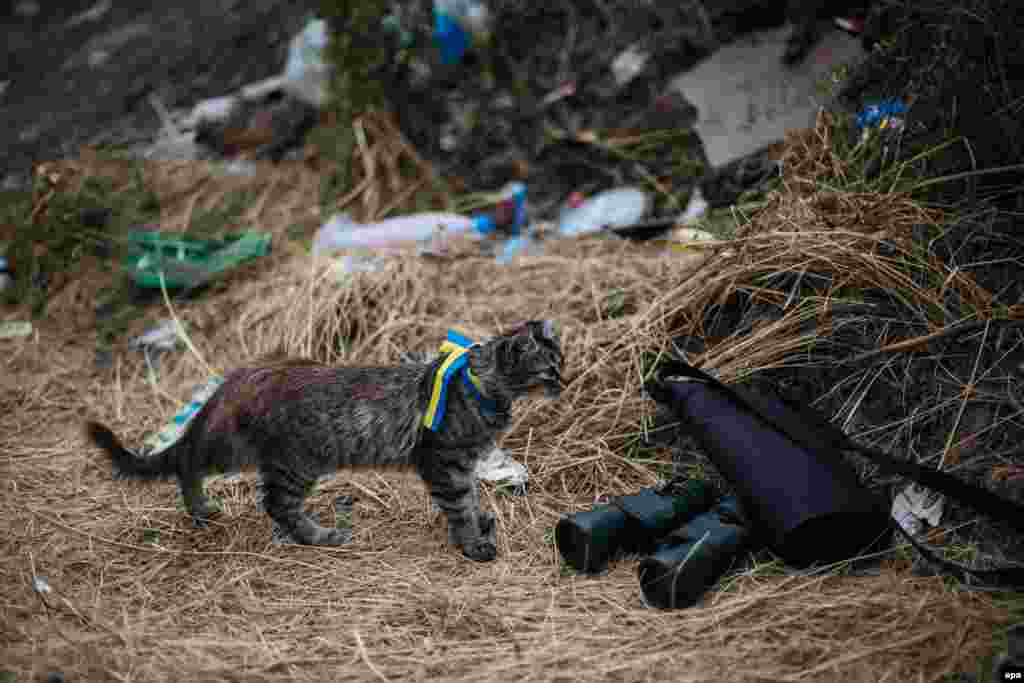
(258, 393)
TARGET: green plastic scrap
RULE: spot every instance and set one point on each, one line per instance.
(187, 262)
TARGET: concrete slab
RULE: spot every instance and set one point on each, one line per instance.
(746, 98)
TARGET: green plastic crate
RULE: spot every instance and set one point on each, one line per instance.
(187, 262)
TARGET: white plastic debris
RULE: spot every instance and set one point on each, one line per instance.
(95, 13)
(306, 73)
(499, 467)
(344, 267)
(176, 427)
(41, 585)
(161, 337)
(609, 209)
(261, 89)
(13, 329)
(914, 506)
(695, 208)
(747, 99)
(629, 64)
(215, 109)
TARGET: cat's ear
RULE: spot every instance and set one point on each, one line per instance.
(515, 330)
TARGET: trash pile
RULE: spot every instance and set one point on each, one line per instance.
(955, 86)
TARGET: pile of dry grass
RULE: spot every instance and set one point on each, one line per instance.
(136, 594)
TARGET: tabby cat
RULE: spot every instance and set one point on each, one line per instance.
(296, 420)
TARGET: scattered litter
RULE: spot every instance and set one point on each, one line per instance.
(95, 13)
(6, 279)
(915, 505)
(214, 109)
(853, 25)
(162, 337)
(629, 64)
(341, 232)
(239, 167)
(886, 114)
(306, 73)
(518, 245)
(342, 269)
(13, 329)
(430, 230)
(747, 98)
(499, 467)
(259, 129)
(456, 23)
(609, 209)
(695, 208)
(262, 89)
(688, 239)
(188, 262)
(174, 429)
(41, 585)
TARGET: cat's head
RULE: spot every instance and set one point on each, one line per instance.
(526, 358)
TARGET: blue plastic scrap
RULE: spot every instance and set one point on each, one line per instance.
(450, 37)
(876, 115)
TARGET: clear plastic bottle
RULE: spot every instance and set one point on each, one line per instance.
(614, 208)
(341, 232)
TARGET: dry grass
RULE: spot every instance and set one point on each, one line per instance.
(138, 595)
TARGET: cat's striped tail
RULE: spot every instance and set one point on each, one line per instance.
(129, 465)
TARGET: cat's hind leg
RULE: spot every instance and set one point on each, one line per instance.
(198, 504)
(284, 492)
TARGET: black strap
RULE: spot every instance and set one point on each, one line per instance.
(811, 430)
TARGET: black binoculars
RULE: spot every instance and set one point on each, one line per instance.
(693, 557)
(629, 525)
(687, 539)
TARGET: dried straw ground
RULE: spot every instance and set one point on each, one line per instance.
(136, 594)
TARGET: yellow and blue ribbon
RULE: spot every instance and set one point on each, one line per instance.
(457, 346)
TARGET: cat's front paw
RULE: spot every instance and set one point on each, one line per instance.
(480, 550)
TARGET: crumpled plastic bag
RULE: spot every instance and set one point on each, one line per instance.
(499, 467)
(305, 72)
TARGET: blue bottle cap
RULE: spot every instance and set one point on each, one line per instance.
(483, 224)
